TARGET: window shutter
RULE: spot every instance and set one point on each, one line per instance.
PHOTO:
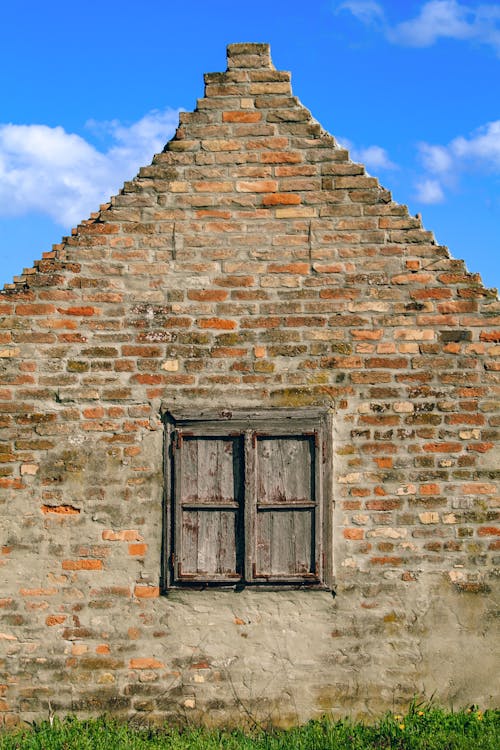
(209, 501)
(248, 498)
(286, 507)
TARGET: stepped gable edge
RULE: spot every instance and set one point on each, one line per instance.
(260, 96)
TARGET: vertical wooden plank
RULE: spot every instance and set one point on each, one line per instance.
(303, 522)
(327, 463)
(168, 546)
(285, 542)
(318, 520)
(210, 474)
(208, 465)
(249, 504)
(209, 543)
(188, 537)
(284, 469)
(286, 478)
(178, 481)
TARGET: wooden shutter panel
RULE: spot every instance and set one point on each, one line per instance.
(209, 498)
(286, 507)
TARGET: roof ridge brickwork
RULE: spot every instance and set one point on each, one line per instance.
(259, 103)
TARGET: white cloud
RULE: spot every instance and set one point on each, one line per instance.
(366, 11)
(479, 152)
(429, 191)
(437, 19)
(373, 157)
(60, 174)
(483, 147)
(436, 159)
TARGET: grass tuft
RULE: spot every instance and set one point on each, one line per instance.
(423, 727)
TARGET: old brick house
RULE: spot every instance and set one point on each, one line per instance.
(249, 415)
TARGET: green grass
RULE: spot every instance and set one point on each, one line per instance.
(422, 728)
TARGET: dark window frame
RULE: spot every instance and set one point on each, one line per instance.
(251, 433)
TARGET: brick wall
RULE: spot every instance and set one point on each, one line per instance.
(251, 264)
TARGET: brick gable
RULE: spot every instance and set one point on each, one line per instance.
(252, 264)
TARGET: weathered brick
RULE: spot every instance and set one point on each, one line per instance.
(145, 663)
(125, 535)
(82, 564)
(241, 116)
(146, 592)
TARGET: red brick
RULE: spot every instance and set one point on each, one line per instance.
(367, 335)
(478, 488)
(301, 268)
(213, 187)
(386, 560)
(392, 363)
(137, 549)
(146, 592)
(82, 564)
(281, 157)
(61, 510)
(93, 412)
(241, 116)
(480, 447)
(444, 447)
(234, 281)
(35, 309)
(218, 323)
(431, 293)
(52, 620)
(281, 199)
(493, 336)
(383, 504)
(472, 419)
(261, 322)
(145, 663)
(353, 534)
(82, 311)
(328, 267)
(207, 295)
(13, 484)
(489, 531)
(257, 186)
(213, 213)
(148, 379)
(429, 489)
(38, 592)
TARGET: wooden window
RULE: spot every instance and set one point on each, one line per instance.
(246, 500)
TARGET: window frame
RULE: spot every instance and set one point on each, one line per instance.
(250, 426)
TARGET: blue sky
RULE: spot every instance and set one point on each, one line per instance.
(90, 90)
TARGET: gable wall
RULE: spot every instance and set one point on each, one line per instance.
(252, 264)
